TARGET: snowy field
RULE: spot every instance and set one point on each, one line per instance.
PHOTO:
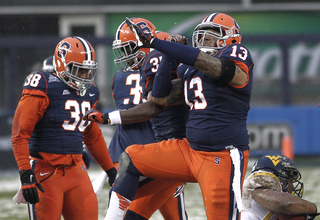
(9, 183)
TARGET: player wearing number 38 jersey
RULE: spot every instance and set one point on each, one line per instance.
(65, 125)
(48, 135)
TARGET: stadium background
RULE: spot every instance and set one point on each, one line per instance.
(282, 36)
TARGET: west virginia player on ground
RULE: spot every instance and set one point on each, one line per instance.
(48, 130)
(274, 187)
(170, 124)
(217, 78)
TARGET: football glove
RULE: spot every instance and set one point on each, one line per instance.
(144, 38)
(96, 116)
(29, 185)
(176, 38)
(112, 173)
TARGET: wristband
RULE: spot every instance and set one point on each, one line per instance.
(162, 80)
(228, 70)
(115, 118)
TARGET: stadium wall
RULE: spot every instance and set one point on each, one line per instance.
(266, 125)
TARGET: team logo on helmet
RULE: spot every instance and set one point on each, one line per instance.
(128, 55)
(74, 61)
(275, 159)
(284, 168)
(63, 48)
(144, 27)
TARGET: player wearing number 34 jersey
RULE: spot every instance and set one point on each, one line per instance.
(48, 129)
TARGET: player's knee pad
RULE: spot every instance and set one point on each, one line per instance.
(126, 167)
(124, 162)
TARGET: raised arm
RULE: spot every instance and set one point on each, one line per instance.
(214, 67)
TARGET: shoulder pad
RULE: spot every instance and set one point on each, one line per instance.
(264, 179)
(239, 53)
(36, 81)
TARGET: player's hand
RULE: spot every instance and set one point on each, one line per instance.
(144, 38)
(95, 115)
(176, 38)
(112, 173)
(29, 185)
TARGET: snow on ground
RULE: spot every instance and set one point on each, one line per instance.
(9, 184)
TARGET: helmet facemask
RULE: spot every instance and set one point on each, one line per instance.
(198, 40)
(223, 34)
(128, 57)
(290, 181)
(74, 63)
(79, 76)
(286, 171)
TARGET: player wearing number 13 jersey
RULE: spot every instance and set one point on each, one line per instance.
(225, 106)
(48, 130)
(216, 75)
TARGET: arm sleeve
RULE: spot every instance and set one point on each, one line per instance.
(29, 111)
(182, 53)
(162, 81)
(97, 146)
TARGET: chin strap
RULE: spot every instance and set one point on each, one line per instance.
(83, 92)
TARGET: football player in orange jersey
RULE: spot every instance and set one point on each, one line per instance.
(128, 64)
(127, 89)
(48, 134)
(215, 82)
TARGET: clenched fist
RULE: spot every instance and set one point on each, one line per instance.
(96, 116)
